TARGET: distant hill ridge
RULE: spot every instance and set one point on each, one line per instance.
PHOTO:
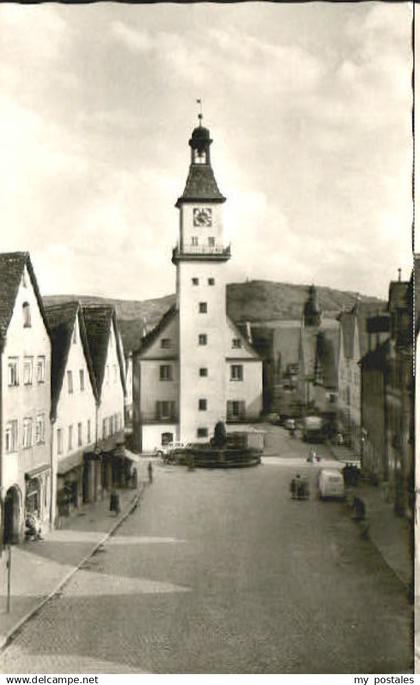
(256, 301)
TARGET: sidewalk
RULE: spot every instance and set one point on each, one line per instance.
(389, 533)
(39, 569)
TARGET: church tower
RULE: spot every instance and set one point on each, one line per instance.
(200, 257)
(311, 309)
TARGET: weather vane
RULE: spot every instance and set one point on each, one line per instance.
(200, 114)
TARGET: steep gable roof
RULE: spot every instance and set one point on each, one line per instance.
(99, 319)
(154, 334)
(62, 320)
(12, 265)
(246, 345)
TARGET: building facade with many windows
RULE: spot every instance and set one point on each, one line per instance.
(73, 403)
(25, 347)
(196, 368)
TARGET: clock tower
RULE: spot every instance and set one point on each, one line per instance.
(200, 258)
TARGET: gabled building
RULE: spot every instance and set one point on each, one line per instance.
(107, 355)
(26, 468)
(196, 367)
(73, 403)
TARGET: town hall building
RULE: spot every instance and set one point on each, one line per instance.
(195, 367)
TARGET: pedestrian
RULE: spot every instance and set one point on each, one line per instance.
(150, 471)
(114, 503)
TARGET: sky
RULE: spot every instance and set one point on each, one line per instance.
(309, 106)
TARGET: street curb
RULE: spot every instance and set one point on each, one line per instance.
(6, 639)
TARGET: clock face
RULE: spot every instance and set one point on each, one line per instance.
(202, 216)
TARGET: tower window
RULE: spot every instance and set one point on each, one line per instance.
(194, 240)
(202, 432)
(202, 339)
(211, 281)
(236, 342)
(236, 372)
(195, 281)
(26, 309)
(202, 307)
(203, 371)
(165, 372)
(212, 241)
(202, 404)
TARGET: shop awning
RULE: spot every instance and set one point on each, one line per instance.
(37, 471)
(69, 463)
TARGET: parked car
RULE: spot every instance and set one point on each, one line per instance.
(170, 448)
(330, 483)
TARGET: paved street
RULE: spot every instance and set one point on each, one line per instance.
(221, 572)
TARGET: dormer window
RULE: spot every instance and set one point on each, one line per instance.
(26, 309)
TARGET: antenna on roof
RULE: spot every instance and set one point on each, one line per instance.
(200, 114)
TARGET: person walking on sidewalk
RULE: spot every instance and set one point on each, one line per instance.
(150, 471)
(114, 502)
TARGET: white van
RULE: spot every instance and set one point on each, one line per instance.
(330, 484)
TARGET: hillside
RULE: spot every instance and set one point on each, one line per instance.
(255, 301)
